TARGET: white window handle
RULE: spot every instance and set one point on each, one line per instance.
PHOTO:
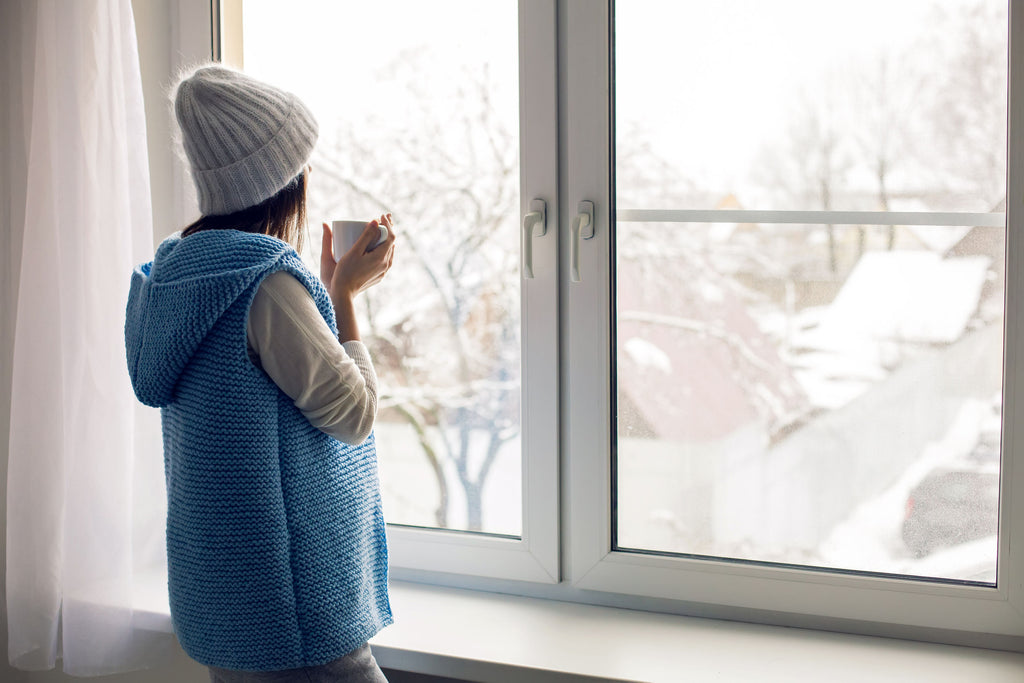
(537, 216)
(582, 228)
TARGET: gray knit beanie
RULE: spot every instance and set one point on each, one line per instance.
(244, 139)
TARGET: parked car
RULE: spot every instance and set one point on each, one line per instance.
(955, 503)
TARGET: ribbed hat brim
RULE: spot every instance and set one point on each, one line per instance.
(245, 139)
(262, 174)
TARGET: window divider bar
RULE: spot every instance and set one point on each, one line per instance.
(986, 220)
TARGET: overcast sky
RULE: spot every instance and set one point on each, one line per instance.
(710, 81)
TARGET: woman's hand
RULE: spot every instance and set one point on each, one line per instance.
(357, 269)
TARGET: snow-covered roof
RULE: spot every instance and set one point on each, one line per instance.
(939, 238)
(692, 362)
(911, 296)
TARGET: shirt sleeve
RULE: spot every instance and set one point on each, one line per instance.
(334, 385)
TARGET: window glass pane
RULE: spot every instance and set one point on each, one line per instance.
(795, 104)
(418, 111)
(790, 390)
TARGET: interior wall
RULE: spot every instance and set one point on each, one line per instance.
(152, 23)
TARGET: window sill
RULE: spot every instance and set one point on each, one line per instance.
(481, 636)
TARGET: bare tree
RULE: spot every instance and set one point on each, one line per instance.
(443, 328)
(811, 163)
(885, 125)
(966, 105)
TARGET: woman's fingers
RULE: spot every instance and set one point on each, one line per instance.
(327, 262)
(360, 269)
(368, 237)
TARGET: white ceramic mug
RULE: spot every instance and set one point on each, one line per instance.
(345, 234)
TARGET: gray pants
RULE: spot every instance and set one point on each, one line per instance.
(357, 666)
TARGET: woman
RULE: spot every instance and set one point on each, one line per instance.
(276, 553)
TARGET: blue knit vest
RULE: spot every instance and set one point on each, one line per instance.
(276, 551)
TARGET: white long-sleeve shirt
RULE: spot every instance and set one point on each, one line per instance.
(334, 385)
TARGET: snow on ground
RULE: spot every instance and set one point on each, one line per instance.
(870, 539)
(410, 492)
(646, 354)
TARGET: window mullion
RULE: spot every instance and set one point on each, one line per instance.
(587, 317)
(987, 220)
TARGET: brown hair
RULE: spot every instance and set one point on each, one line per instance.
(282, 216)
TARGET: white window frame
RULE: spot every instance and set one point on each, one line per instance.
(419, 553)
(565, 552)
(415, 553)
(780, 594)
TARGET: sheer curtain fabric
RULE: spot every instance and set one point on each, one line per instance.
(76, 539)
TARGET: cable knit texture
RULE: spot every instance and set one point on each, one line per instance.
(275, 537)
(244, 139)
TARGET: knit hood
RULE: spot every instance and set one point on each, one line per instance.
(177, 298)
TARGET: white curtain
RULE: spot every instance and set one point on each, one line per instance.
(83, 500)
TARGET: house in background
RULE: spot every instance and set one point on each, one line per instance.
(746, 418)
